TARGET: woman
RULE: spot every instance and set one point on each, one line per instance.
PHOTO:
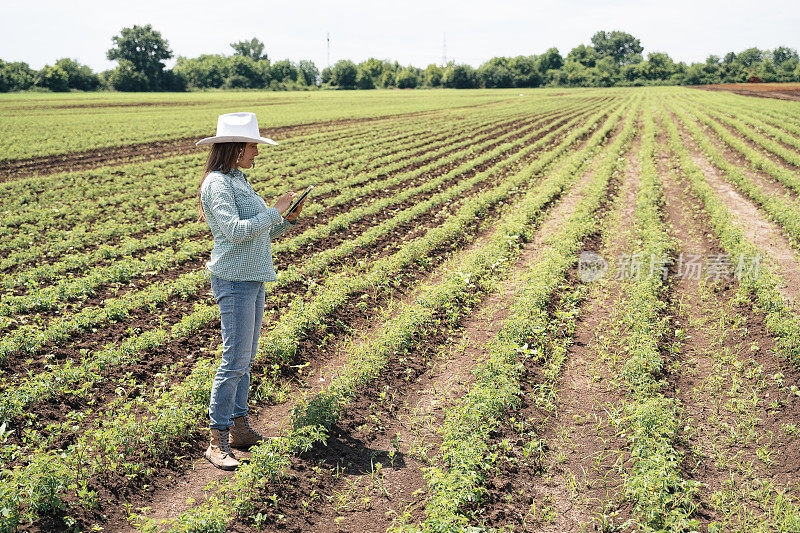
(241, 262)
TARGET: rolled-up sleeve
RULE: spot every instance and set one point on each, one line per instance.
(223, 206)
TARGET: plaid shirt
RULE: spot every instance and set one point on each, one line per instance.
(242, 225)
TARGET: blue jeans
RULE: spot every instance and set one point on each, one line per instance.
(241, 305)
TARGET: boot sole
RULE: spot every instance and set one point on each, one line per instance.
(221, 467)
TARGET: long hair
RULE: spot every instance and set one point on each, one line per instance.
(222, 157)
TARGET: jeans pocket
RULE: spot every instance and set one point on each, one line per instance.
(220, 287)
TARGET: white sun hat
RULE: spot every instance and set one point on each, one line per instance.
(237, 128)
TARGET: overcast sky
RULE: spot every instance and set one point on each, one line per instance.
(410, 31)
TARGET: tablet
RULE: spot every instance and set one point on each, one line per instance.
(298, 200)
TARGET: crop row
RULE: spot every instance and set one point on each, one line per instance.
(173, 415)
(339, 146)
(743, 128)
(753, 156)
(22, 335)
(758, 287)
(457, 479)
(185, 192)
(43, 131)
(295, 153)
(654, 484)
(162, 187)
(784, 212)
(187, 208)
(41, 386)
(778, 123)
(49, 383)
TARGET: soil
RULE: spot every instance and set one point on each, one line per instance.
(421, 398)
(781, 91)
(88, 341)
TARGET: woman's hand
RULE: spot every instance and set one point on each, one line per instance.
(284, 202)
(293, 215)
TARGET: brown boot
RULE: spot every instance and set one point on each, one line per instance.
(219, 451)
(243, 435)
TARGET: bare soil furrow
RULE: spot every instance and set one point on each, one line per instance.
(101, 335)
(329, 212)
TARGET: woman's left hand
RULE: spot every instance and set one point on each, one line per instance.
(293, 215)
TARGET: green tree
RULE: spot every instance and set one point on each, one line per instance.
(388, 78)
(433, 75)
(326, 75)
(375, 68)
(659, 67)
(364, 80)
(605, 73)
(585, 55)
(550, 60)
(16, 76)
(127, 78)
(254, 49)
(751, 58)
(308, 73)
(695, 75)
(283, 71)
(406, 78)
(206, 71)
(80, 76)
(572, 74)
(244, 72)
(143, 49)
(525, 71)
(632, 74)
(782, 54)
(460, 77)
(344, 74)
(53, 78)
(731, 70)
(620, 46)
(766, 71)
(496, 73)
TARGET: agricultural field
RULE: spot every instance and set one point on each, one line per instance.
(547, 310)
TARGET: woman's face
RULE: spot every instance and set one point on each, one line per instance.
(248, 154)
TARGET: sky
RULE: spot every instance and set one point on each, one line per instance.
(415, 32)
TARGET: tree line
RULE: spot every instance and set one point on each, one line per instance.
(612, 59)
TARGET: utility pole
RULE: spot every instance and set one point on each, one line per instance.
(328, 39)
(444, 49)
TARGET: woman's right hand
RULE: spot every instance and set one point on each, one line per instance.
(283, 203)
